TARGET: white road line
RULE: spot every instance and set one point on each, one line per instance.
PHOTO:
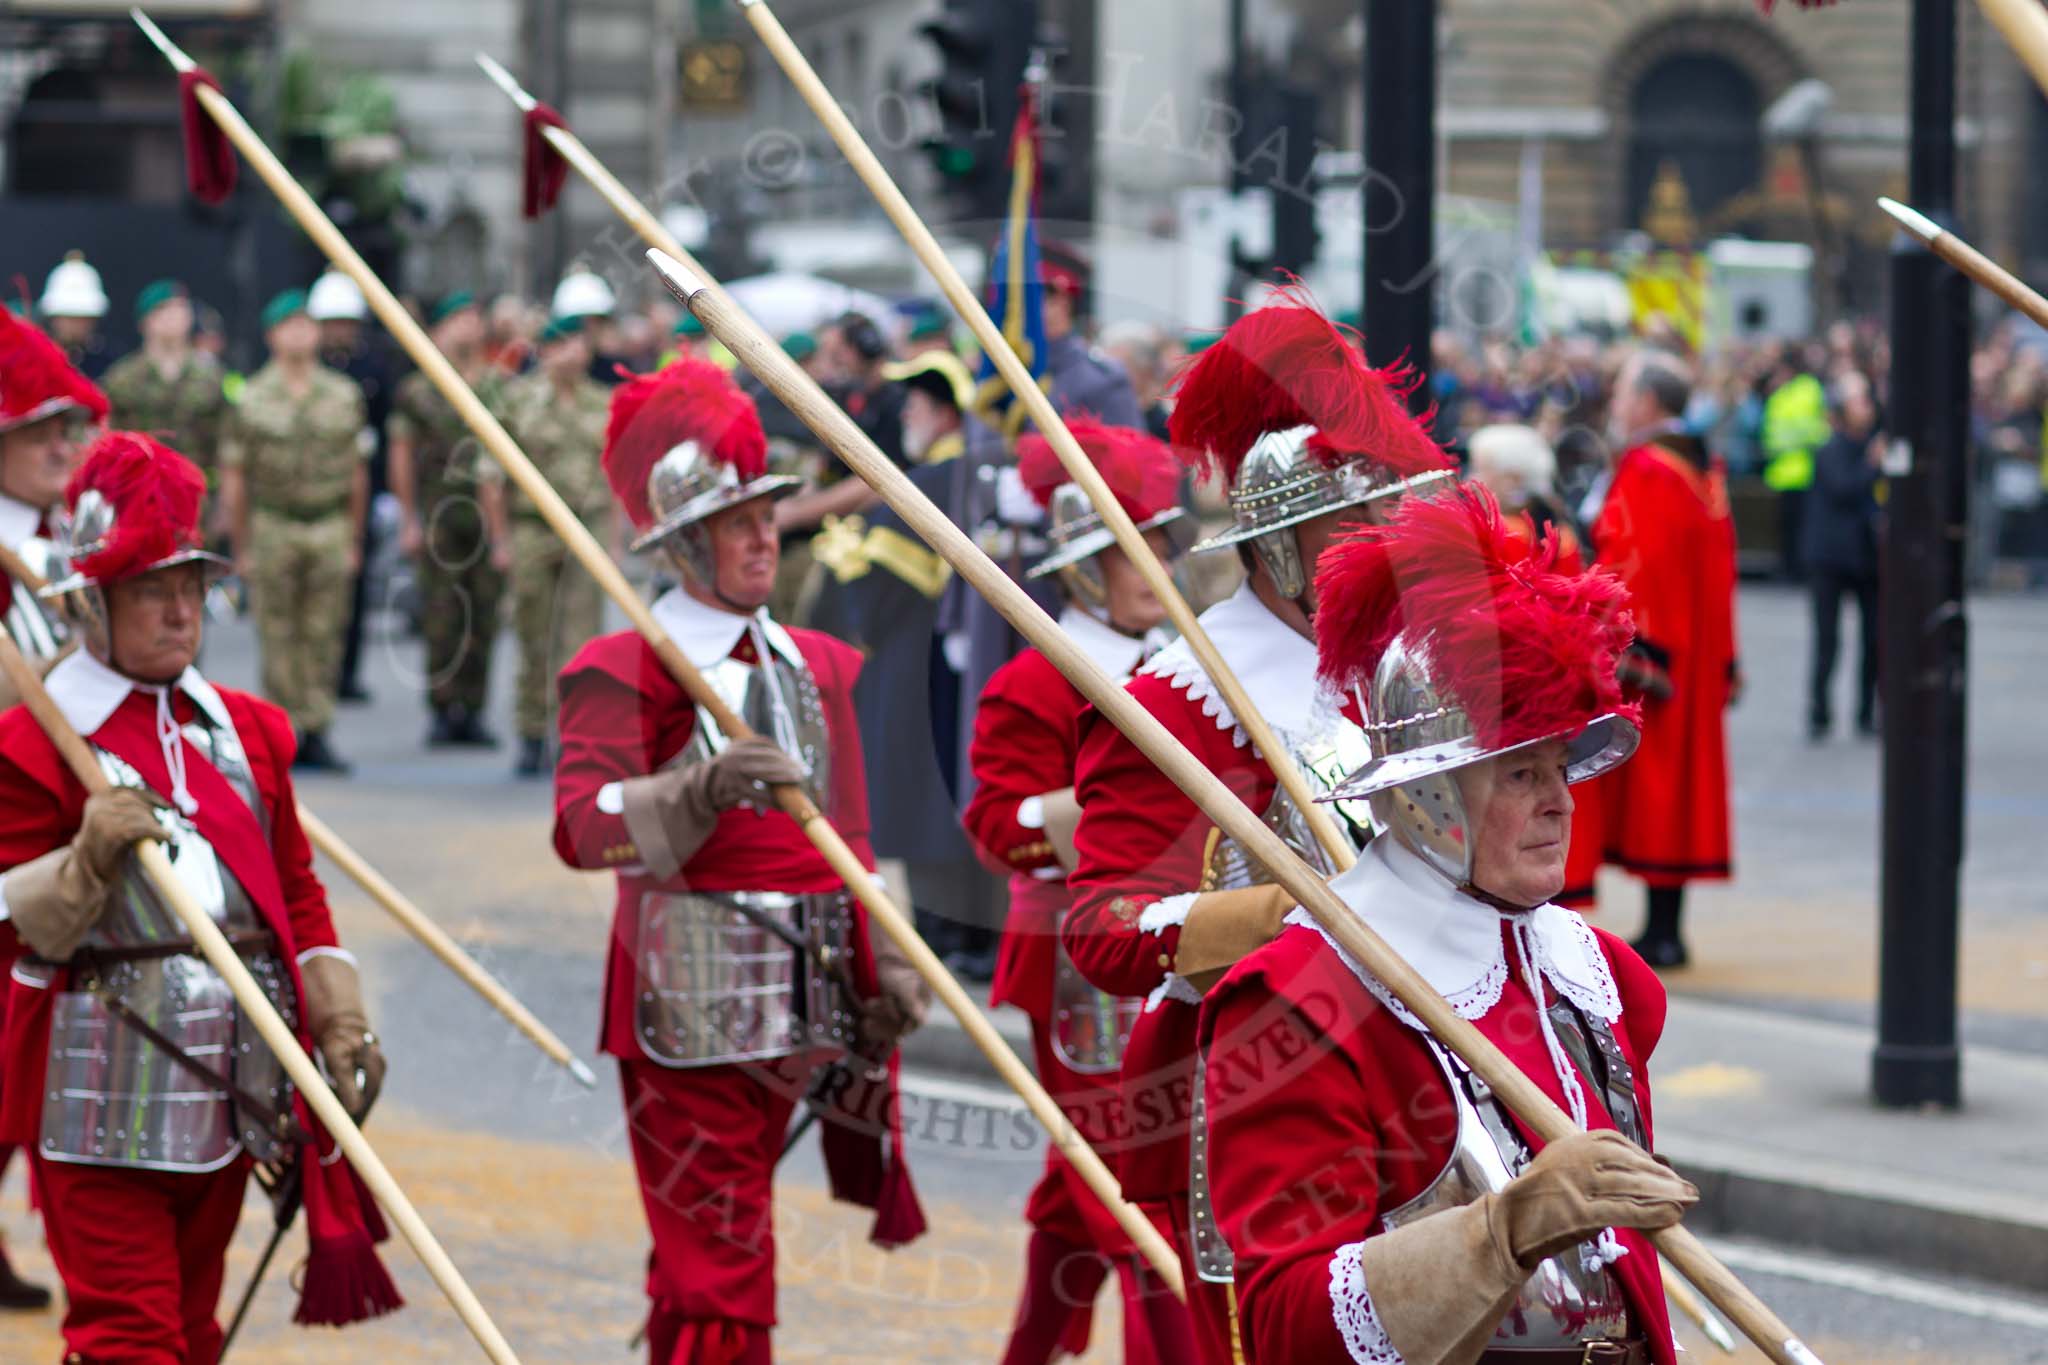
(1883, 1284)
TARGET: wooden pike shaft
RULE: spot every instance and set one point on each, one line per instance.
(395, 903)
(592, 557)
(1968, 259)
(1079, 467)
(801, 394)
(277, 1034)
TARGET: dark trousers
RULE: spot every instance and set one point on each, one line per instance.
(1792, 533)
(1829, 587)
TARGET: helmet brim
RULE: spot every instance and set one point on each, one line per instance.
(1239, 534)
(1096, 541)
(716, 500)
(216, 568)
(1603, 743)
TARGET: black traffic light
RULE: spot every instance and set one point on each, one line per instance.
(983, 46)
(1275, 151)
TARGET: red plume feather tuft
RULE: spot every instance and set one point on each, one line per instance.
(36, 379)
(1140, 469)
(542, 170)
(1287, 365)
(210, 164)
(156, 494)
(1528, 652)
(687, 400)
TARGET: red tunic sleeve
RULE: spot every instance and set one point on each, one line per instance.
(1023, 746)
(1141, 838)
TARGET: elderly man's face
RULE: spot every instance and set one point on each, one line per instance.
(1521, 813)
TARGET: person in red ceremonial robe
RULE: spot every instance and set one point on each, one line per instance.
(1383, 1206)
(1664, 529)
(742, 975)
(1021, 820)
(1308, 439)
(46, 408)
(115, 1023)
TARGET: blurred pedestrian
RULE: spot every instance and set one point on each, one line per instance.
(72, 304)
(1520, 468)
(1841, 551)
(347, 344)
(441, 526)
(1795, 424)
(167, 387)
(1140, 348)
(852, 350)
(296, 483)
(557, 414)
(1664, 528)
(586, 296)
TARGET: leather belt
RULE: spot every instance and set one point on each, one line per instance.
(91, 960)
(1632, 1352)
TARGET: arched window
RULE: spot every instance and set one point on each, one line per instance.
(1698, 113)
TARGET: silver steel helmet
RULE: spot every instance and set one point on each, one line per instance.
(1078, 534)
(1280, 484)
(80, 598)
(687, 485)
(1421, 736)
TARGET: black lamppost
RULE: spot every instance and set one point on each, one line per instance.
(1917, 1061)
(1400, 182)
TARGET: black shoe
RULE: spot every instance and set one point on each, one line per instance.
(1866, 726)
(529, 762)
(315, 757)
(354, 694)
(1817, 730)
(1661, 953)
(470, 731)
(18, 1295)
(445, 730)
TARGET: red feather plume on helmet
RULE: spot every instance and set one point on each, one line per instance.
(1139, 468)
(1528, 652)
(155, 493)
(34, 375)
(1287, 365)
(688, 400)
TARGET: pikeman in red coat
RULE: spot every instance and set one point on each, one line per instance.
(1382, 1205)
(46, 408)
(740, 965)
(1021, 819)
(143, 1094)
(1308, 439)
(1664, 529)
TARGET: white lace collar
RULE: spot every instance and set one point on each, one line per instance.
(1275, 663)
(1454, 941)
(18, 522)
(707, 634)
(1108, 648)
(88, 692)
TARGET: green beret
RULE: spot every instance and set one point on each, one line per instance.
(1199, 342)
(291, 301)
(155, 295)
(927, 324)
(449, 304)
(688, 326)
(799, 345)
(560, 329)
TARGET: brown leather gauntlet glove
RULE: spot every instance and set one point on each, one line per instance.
(671, 813)
(55, 900)
(341, 1031)
(1062, 818)
(1440, 1286)
(900, 1006)
(1224, 926)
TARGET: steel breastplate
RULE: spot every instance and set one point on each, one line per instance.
(36, 630)
(776, 698)
(113, 1097)
(721, 977)
(1569, 1299)
(1090, 1027)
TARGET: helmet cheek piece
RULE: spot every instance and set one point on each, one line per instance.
(84, 610)
(689, 549)
(1280, 552)
(1428, 815)
(1085, 585)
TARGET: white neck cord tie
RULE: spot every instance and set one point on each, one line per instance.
(171, 738)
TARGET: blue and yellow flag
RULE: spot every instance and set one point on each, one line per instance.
(1016, 287)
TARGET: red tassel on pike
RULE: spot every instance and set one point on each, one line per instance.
(209, 157)
(542, 171)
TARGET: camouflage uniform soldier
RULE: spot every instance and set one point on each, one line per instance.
(295, 481)
(558, 415)
(167, 387)
(434, 474)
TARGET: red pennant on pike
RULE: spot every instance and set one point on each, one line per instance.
(543, 172)
(209, 156)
